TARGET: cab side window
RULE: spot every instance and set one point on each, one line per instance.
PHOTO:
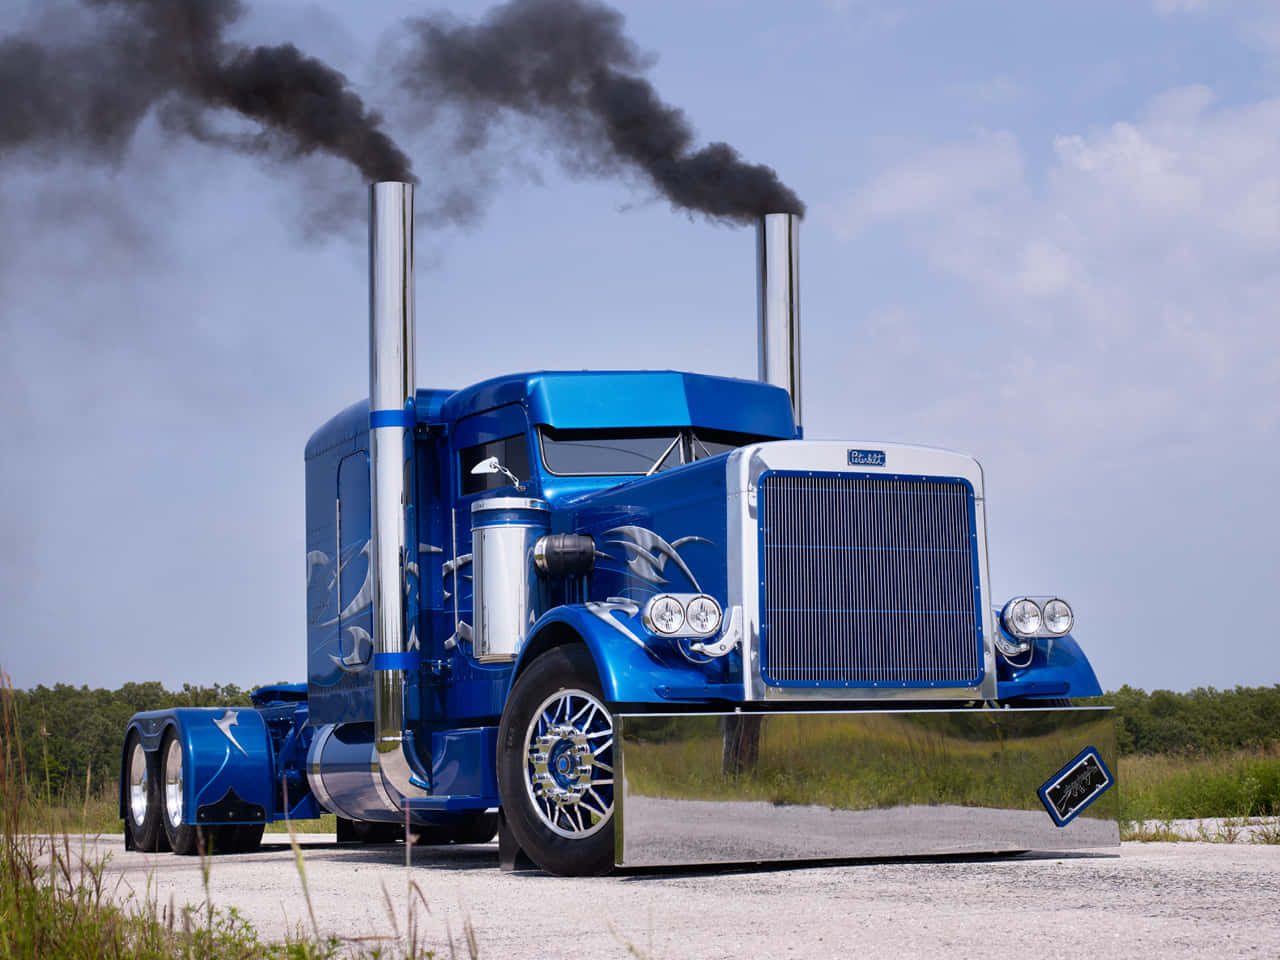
(512, 452)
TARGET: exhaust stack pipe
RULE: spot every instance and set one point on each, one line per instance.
(391, 423)
(778, 278)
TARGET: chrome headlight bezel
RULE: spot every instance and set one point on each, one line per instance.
(652, 622)
(1009, 623)
(1070, 617)
(702, 602)
(1022, 617)
(685, 602)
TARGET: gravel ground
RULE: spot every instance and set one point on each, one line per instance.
(1153, 900)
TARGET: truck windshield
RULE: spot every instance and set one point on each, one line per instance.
(573, 453)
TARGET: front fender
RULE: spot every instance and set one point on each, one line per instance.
(1059, 671)
(630, 672)
(227, 761)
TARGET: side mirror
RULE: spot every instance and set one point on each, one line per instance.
(494, 465)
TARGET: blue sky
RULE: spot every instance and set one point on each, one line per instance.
(1045, 234)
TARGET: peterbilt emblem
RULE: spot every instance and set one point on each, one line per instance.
(866, 458)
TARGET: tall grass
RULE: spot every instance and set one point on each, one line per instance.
(1242, 783)
(57, 899)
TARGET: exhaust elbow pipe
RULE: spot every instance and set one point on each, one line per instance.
(778, 289)
(394, 546)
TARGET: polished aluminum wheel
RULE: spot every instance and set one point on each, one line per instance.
(138, 785)
(173, 783)
(568, 750)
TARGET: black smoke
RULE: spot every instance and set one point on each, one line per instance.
(568, 65)
(87, 97)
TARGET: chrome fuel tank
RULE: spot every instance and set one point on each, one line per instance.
(507, 592)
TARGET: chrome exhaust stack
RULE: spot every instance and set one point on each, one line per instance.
(391, 423)
(778, 290)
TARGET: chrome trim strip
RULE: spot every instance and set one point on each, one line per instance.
(510, 503)
(795, 785)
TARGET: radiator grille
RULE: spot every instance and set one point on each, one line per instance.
(868, 582)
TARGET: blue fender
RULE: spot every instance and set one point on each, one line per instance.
(228, 765)
(1062, 670)
(630, 672)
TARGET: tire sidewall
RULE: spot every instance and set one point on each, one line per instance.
(185, 839)
(148, 836)
(567, 667)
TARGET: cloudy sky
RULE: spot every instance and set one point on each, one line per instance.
(1043, 233)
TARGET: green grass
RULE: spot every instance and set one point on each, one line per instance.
(325, 823)
(1242, 783)
(56, 899)
(101, 815)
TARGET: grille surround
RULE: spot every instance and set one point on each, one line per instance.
(825, 624)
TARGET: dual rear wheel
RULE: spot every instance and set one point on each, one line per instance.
(157, 817)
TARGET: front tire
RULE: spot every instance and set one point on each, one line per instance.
(143, 815)
(555, 764)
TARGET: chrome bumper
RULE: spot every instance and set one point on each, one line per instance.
(725, 788)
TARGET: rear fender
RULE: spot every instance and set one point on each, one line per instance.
(228, 763)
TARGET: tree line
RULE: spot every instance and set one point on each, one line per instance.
(72, 735)
(69, 735)
(1203, 721)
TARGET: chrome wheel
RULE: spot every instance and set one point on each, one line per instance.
(173, 783)
(138, 786)
(568, 751)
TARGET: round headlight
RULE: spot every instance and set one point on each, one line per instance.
(666, 615)
(703, 615)
(1057, 617)
(1023, 618)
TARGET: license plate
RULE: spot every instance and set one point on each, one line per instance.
(1075, 786)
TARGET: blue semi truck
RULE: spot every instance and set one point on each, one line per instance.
(636, 618)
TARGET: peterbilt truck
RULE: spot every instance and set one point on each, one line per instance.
(637, 618)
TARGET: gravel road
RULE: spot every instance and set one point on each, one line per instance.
(1150, 900)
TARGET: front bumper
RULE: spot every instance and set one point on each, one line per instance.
(777, 786)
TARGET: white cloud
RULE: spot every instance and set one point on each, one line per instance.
(944, 178)
(1129, 287)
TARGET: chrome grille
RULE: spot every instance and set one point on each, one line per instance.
(868, 582)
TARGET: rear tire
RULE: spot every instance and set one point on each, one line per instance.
(555, 764)
(143, 816)
(185, 838)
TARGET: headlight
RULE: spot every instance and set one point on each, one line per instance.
(1022, 617)
(1058, 617)
(683, 615)
(703, 615)
(664, 614)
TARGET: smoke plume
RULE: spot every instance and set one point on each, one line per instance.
(88, 97)
(568, 65)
